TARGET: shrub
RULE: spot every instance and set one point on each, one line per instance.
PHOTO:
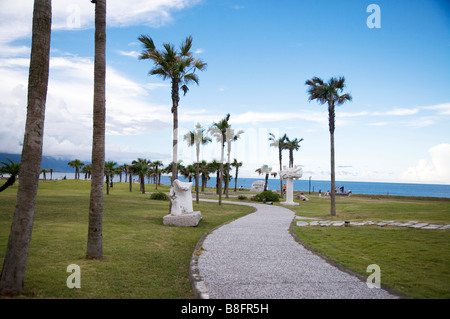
(269, 196)
(242, 197)
(159, 196)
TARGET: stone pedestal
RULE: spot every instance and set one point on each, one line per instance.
(289, 174)
(181, 212)
(184, 220)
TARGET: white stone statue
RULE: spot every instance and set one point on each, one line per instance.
(181, 211)
(289, 174)
(181, 198)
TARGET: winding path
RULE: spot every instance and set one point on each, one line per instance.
(256, 257)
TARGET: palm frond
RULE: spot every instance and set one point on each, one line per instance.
(186, 46)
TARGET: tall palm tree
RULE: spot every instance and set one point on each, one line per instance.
(231, 136)
(219, 130)
(292, 145)
(109, 172)
(265, 169)
(77, 164)
(236, 164)
(330, 93)
(14, 264)
(197, 138)
(279, 143)
(12, 169)
(179, 67)
(95, 231)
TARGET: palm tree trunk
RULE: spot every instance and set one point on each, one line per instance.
(175, 100)
(197, 172)
(131, 181)
(221, 172)
(95, 234)
(14, 265)
(333, 181)
(235, 179)
(281, 168)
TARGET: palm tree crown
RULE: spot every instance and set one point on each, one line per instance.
(179, 66)
(328, 93)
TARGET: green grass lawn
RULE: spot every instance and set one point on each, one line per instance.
(414, 262)
(142, 257)
(145, 259)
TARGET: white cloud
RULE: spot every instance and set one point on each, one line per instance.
(16, 16)
(68, 123)
(438, 171)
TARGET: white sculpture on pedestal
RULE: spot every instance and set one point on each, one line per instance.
(181, 198)
(181, 210)
(289, 174)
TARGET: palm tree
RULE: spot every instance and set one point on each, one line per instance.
(265, 169)
(12, 169)
(205, 169)
(196, 138)
(87, 171)
(109, 173)
(279, 143)
(292, 145)
(140, 167)
(179, 67)
(236, 164)
(214, 166)
(51, 173)
(156, 165)
(77, 164)
(95, 231)
(231, 136)
(329, 93)
(44, 171)
(219, 130)
(14, 264)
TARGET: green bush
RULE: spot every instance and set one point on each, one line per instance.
(269, 196)
(242, 197)
(159, 196)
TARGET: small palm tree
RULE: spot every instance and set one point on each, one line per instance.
(87, 170)
(109, 172)
(204, 171)
(156, 165)
(12, 169)
(279, 143)
(179, 66)
(140, 167)
(292, 145)
(329, 93)
(44, 172)
(265, 169)
(77, 164)
(236, 164)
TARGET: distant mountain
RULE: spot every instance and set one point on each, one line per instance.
(48, 162)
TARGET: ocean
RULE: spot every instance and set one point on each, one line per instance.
(370, 188)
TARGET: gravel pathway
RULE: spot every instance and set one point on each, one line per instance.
(255, 256)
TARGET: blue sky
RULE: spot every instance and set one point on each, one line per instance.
(259, 55)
